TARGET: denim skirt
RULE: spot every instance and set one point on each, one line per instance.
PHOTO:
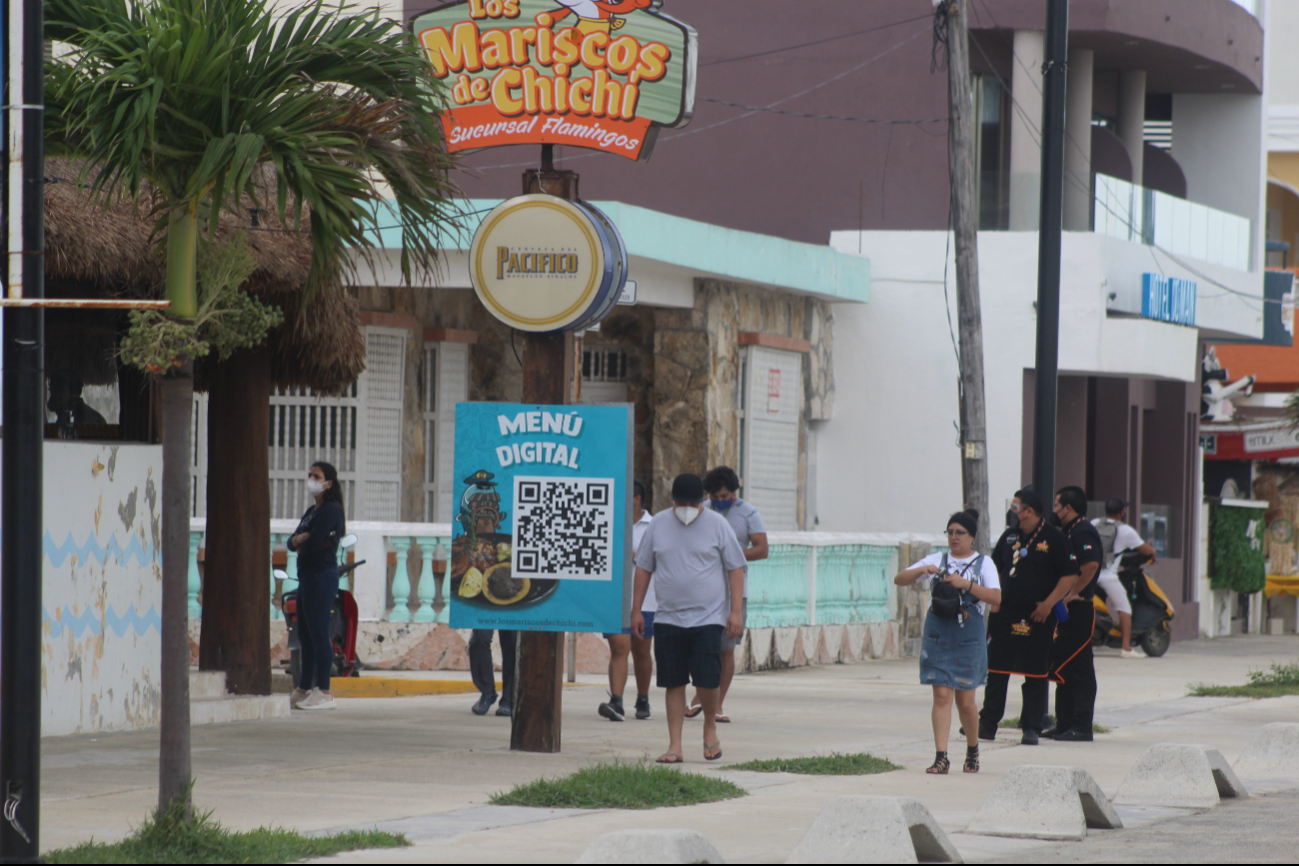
(953, 654)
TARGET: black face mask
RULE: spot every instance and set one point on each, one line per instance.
(1012, 520)
(1055, 520)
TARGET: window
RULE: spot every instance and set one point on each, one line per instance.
(446, 382)
(604, 375)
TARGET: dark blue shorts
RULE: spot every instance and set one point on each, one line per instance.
(649, 625)
(688, 655)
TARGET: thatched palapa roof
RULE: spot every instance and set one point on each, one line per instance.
(94, 252)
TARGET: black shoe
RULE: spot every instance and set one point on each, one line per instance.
(484, 704)
(1074, 735)
(1050, 733)
(1029, 738)
(642, 707)
(505, 710)
(612, 710)
(989, 734)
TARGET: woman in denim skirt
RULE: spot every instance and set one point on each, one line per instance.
(954, 650)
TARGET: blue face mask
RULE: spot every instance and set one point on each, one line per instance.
(723, 504)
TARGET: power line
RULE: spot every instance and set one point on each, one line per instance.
(819, 116)
(816, 42)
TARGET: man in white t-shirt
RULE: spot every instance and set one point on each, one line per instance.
(697, 569)
(1118, 538)
(627, 644)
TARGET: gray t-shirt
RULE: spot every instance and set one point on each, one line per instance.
(746, 521)
(690, 565)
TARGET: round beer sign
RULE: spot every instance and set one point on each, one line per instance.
(543, 263)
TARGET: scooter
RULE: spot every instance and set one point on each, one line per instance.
(343, 620)
(1151, 610)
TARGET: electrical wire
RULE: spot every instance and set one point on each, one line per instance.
(810, 44)
(820, 116)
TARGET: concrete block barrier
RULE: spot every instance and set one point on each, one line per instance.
(1044, 802)
(1181, 775)
(1273, 753)
(651, 846)
(865, 829)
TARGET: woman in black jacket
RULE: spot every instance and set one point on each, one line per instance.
(316, 542)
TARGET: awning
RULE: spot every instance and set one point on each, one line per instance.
(1260, 440)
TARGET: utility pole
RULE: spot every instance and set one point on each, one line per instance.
(549, 370)
(24, 431)
(1054, 71)
(965, 228)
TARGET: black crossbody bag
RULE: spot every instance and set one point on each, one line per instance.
(946, 600)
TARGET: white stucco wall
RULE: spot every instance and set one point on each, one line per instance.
(889, 459)
(102, 587)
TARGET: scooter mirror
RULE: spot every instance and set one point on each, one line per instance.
(347, 541)
(281, 574)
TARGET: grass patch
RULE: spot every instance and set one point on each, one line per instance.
(171, 838)
(1048, 722)
(834, 764)
(621, 785)
(1281, 680)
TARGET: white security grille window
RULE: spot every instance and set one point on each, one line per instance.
(307, 427)
(772, 413)
(604, 375)
(446, 383)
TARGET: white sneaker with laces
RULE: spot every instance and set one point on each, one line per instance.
(1131, 654)
(318, 700)
(297, 697)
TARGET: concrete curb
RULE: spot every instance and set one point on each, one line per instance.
(1273, 753)
(864, 829)
(1179, 775)
(651, 846)
(1044, 802)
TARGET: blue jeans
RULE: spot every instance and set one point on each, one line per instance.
(316, 596)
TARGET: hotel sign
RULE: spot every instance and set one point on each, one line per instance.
(598, 74)
(1168, 299)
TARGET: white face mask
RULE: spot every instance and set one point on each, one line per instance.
(686, 513)
(314, 487)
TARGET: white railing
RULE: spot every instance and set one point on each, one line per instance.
(810, 578)
(1133, 213)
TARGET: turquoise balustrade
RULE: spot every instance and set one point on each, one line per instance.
(401, 581)
(852, 583)
(194, 583)
(276, 540)
(291, 569)
(778, 587)
(426, 591)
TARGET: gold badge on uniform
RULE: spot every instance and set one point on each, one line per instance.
(1020, 629)
(1042, 547)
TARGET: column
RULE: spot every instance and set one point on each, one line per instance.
(444, 583)
(1078, 142)
(194, 583)
(1025, 138)
(400, 581)
(426, 589)
(1132, 119)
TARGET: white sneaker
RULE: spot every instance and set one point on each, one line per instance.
(297, 697)
(1131, 654)
(318, 700)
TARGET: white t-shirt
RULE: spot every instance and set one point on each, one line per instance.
(637, 533)
(691, 567)
(987, 575)
(1126, 539)
(746, 521)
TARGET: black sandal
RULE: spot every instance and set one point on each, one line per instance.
(971, 759)
(941, 765)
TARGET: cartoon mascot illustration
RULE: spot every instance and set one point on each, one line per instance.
(594, 16)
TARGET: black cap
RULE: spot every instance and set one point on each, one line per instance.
(687, 488)
(1115, 506)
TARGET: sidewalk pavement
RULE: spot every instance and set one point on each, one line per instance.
(426, 766)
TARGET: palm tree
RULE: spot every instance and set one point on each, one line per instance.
(320, 115)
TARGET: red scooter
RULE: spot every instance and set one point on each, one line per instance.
(342, 624)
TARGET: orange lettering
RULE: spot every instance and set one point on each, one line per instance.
(545, 46)
(567, 49)
(607, 95)
(496, 49)
(653, 59)
(520, 39)
(622, 54)
(536, 92)
(476, 9)
(591, 45)
(505, 81)
(630, 96)
(561, 95)
(453, 51)
(581, 103)
(479, 89)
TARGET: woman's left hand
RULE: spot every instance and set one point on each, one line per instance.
(952, 578)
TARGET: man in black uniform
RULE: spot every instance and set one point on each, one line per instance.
(1073, 669)
(1037, 569)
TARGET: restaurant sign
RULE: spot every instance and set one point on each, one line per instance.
(597, 74)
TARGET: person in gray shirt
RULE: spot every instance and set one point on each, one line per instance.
(698, 572)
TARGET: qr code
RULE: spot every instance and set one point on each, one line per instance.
(563, 528)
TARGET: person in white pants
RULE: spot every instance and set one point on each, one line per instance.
(1119, 538)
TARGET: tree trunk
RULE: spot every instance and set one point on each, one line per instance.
(174, 751)
(236, 632)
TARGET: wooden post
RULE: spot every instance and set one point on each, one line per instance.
(965, 228)
(548, 376)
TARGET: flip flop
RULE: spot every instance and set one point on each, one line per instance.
(691, 712)
(708, 748)
(725, 720)
(669, 758)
